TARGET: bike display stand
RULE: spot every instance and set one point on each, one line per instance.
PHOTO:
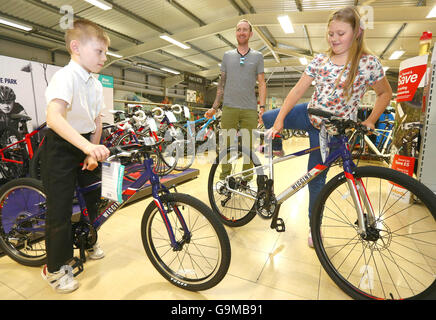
(427, 155)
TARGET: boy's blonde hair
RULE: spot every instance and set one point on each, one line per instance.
(84, 30)
(358, 48)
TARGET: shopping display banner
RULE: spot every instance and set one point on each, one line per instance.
(410, 78)
(29, 80)
(408, 110)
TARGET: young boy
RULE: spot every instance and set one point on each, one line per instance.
(75, 100)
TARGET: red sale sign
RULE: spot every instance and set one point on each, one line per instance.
(403, 164)
(409, 80)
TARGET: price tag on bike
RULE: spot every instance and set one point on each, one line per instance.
(186, 112)
(171, 117)
(112, 181)
(152, 124)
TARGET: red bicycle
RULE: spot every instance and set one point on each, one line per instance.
(18, 148)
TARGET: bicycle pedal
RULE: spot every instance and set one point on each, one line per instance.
(279, 225)
(76, 263)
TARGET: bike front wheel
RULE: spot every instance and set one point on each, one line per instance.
(396, 257)
(201, 258)
(232, 190)
(22, 221)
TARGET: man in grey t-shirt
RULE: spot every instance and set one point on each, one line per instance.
(240, 69)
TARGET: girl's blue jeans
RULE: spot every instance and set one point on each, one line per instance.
(298, 119)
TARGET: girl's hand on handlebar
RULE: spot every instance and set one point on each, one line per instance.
(274, 130)
(369, 125)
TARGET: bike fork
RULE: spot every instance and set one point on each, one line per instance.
(176, 245)
(364, 209)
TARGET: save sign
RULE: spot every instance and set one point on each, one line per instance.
(409, 79)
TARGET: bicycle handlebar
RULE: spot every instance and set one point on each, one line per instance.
(130, 150)
(139, 116)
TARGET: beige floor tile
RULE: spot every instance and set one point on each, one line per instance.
(7, 293)
(328, 290)
(292, 276)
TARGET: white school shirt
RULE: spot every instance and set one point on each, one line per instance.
(83, 93)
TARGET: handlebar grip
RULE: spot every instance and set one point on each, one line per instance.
(178, 108)
(161, 112)
(141, 115)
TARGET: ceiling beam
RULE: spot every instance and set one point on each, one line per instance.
(56, 10)
(200, 22)
(382, 16)
(267, 43)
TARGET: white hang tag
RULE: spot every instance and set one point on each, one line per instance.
(149, 141)
(170, 115)
(187, 113)
(112, 181)
(152, 124)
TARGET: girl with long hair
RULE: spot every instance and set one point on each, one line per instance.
(342, 75)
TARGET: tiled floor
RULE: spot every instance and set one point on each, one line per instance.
(265, 264)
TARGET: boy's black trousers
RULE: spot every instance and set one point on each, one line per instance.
(61, 172)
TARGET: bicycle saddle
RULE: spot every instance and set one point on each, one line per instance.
(20, 117)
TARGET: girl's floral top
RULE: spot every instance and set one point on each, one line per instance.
(329, 96)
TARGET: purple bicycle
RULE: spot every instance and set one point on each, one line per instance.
(183, 239)
(373, 228)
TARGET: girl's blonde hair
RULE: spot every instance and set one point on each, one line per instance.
(358, 48)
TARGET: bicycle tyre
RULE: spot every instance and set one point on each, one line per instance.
(203, 221)
(238, 212)
(401, 247)
(22, 221)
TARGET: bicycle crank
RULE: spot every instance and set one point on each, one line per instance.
(265, 204)
(85, 236)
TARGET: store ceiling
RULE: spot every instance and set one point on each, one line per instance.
(208, 27)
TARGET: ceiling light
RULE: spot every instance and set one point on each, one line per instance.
(174, 41)
(170, 70)
(101, 4)
(286, 24)
(14, 24)
(114, 54)
(303, 61)
(396, 55)
(432, 13)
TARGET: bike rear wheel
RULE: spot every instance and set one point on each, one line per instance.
(22, 221)
(396, 258)
(233, 196)
(203, 257)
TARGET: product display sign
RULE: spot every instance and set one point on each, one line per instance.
(408, 110)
